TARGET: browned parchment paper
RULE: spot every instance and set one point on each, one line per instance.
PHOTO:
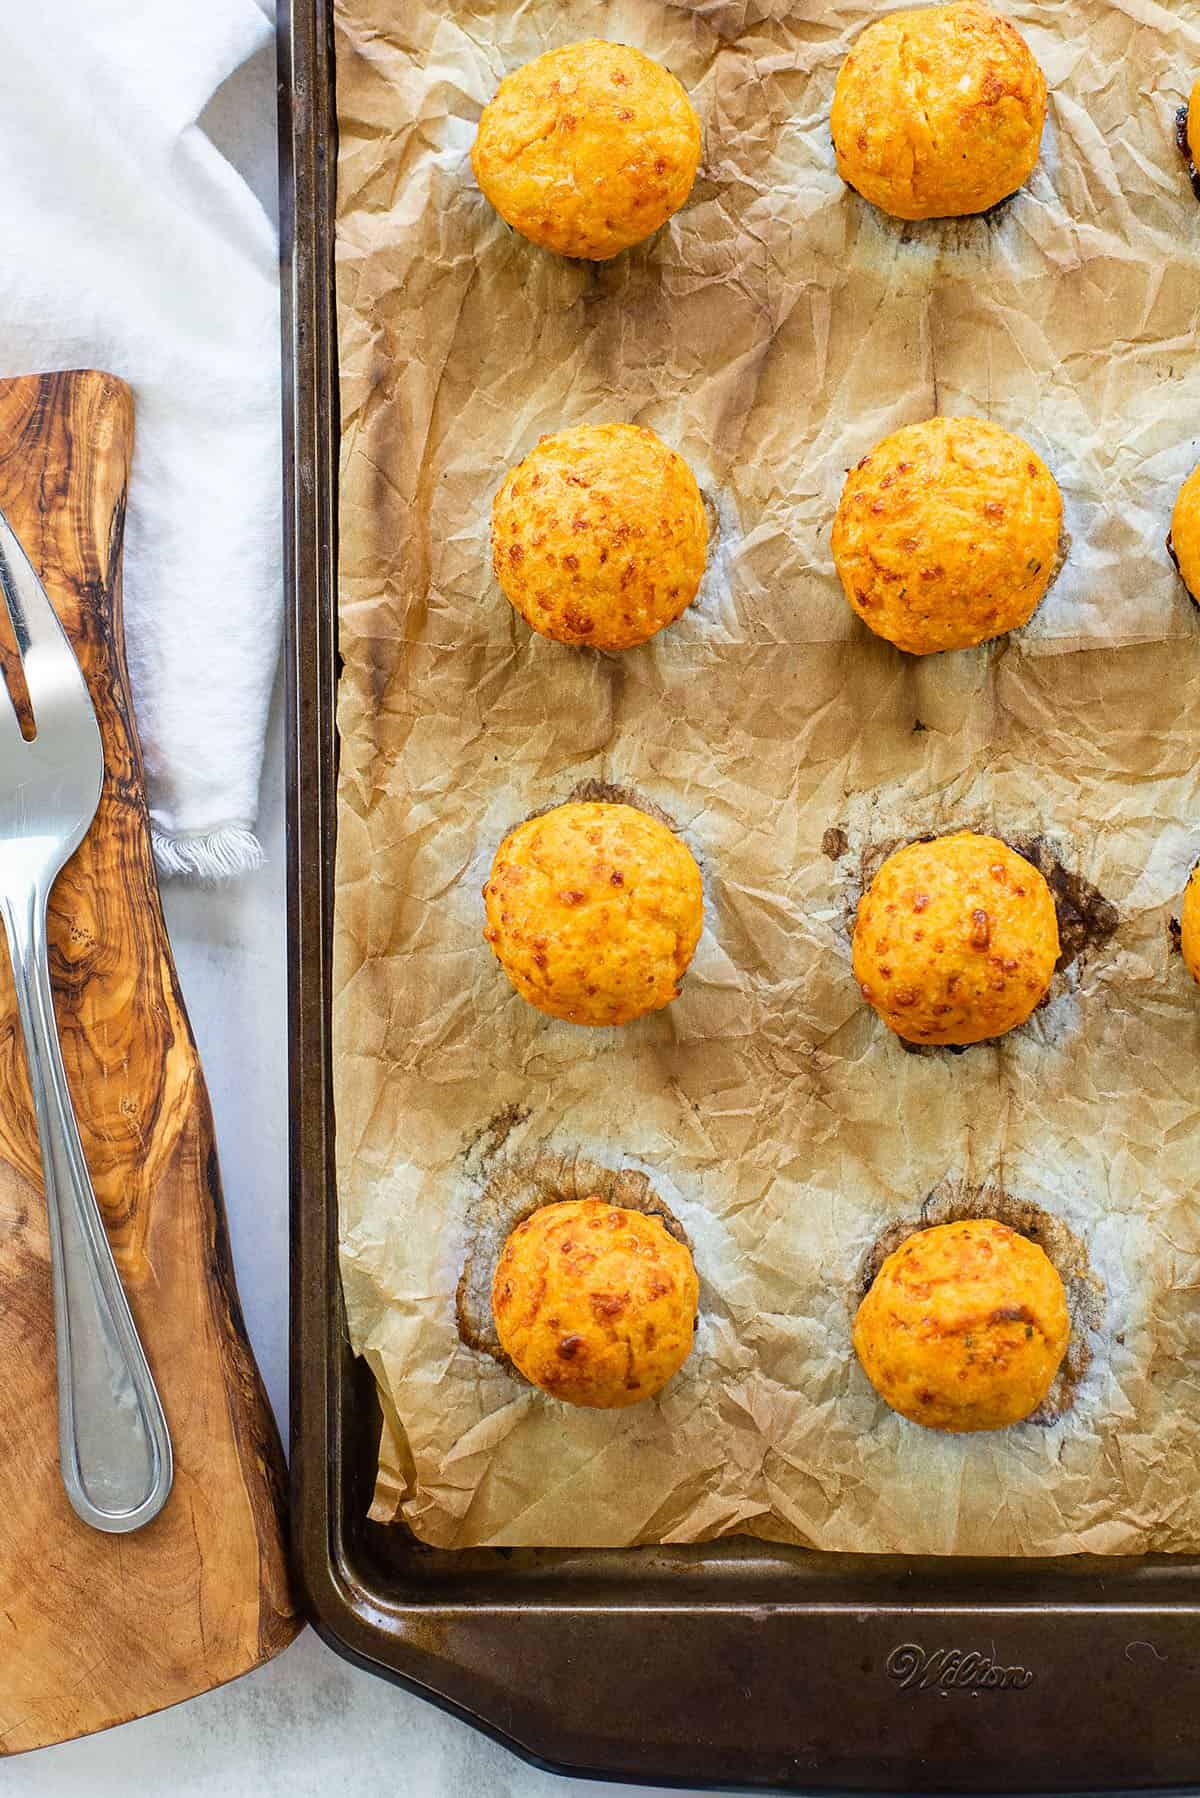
(772, 333)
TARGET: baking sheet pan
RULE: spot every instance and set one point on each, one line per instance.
(732, 1664)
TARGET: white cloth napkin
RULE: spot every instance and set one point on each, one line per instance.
(129, 243)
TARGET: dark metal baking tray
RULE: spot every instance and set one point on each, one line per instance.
(737, 1664)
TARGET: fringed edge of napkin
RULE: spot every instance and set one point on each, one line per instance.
(211, 855)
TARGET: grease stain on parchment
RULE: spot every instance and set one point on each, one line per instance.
(612, 792)
(1181, 138)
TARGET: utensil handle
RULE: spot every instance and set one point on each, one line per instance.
(114, 1447)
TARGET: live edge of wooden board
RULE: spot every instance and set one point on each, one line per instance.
(97, 1629)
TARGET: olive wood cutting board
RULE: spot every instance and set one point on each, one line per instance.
(95, 1629)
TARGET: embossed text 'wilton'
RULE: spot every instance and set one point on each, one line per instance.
(917, 1669)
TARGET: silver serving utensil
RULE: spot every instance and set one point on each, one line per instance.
(114, 1449)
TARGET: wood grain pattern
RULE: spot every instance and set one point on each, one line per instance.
(97, 1629)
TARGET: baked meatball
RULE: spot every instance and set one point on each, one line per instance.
(956, 940)
(947, 534)
(1191, 131)
(599, 536)
(1189, 925)
(594, 912)
(964, 1327)
(1184, 541)
(595, 1304)
(938, 112)
(588, 149)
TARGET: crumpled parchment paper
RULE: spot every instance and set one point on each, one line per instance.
(772, 332)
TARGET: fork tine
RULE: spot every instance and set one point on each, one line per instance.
(10, 724)
(11, 734)
(51, 670)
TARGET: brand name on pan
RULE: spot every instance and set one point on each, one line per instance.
(917, 1669)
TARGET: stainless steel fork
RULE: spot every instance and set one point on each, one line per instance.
(114, 1449)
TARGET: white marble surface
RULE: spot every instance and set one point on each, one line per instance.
(308, 1723)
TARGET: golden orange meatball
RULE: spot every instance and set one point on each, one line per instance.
(599, 536)
(947, 534)
(1193, 126)
(955, 940)
(964, 1327)
(1189, 925)
(1185, 534)
(588, 149)
(938, 112)
(594, 912)
(595, 1304)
